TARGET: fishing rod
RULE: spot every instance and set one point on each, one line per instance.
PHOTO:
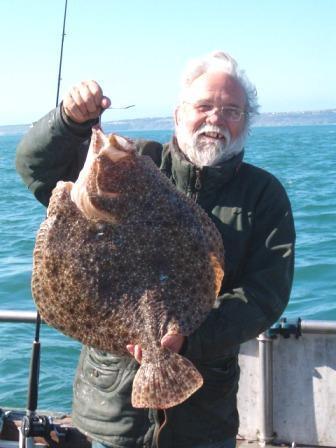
(34, 425)
(61, 54)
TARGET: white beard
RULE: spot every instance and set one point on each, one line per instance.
(202, 152)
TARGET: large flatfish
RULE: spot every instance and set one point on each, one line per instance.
(124, 258)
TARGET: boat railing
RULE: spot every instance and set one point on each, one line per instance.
(28, 317)
(284, 327)
(288, 377)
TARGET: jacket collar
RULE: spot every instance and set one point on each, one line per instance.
(212, 178)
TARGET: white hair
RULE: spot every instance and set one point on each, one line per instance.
(218, 61)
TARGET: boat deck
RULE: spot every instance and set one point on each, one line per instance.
(64, 435)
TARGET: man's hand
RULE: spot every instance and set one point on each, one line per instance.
(85, 102)
(173, 342)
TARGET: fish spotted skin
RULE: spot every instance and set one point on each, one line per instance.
(122, 258)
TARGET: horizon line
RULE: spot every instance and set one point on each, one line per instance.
(329, 110)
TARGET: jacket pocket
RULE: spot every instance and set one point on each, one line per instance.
(220, 377)
(103, 370)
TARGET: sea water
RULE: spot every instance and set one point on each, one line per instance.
(303, 158)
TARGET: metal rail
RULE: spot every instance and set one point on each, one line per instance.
(302, 326)
(266, 432)
(27, 317)
(318, 326)
(297, 327)
(283, 329)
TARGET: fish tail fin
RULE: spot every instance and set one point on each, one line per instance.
(167, 382)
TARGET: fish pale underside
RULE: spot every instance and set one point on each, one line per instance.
(124, 258)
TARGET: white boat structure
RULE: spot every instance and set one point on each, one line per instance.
(287, 393)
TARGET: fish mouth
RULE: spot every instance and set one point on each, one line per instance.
(112, 146)
(103, 148)
(117, 148)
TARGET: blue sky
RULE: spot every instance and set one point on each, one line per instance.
(136, 50)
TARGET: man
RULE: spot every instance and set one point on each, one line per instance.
(250, 209)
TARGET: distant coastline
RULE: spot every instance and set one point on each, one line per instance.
(269, 119)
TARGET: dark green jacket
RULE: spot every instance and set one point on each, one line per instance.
(252, 211)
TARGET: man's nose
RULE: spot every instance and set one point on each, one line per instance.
(216, 117)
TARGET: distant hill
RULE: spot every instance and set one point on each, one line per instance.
(305, 118)
(14, 129)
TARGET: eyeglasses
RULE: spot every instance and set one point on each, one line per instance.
(228, 113)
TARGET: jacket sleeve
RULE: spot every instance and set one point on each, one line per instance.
(262, 292)
(54, 149)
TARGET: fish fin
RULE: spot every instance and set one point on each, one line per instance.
(98, 139)
(39, 277)
(166, 382)
(218, 272)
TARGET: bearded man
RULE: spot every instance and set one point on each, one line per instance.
(250, 209)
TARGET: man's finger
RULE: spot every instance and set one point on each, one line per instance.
(72, 110)
(173, 342)
(76, 95)
(135, 350)
(89, 100)
(138, 353)
(105, 102)
(95, 91)
(130, 348)
(85, 101)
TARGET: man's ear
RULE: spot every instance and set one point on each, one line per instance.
(177, 115)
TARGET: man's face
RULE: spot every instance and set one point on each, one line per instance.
(203, 126)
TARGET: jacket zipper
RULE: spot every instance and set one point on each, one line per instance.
(194, 195)
(197, 185)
